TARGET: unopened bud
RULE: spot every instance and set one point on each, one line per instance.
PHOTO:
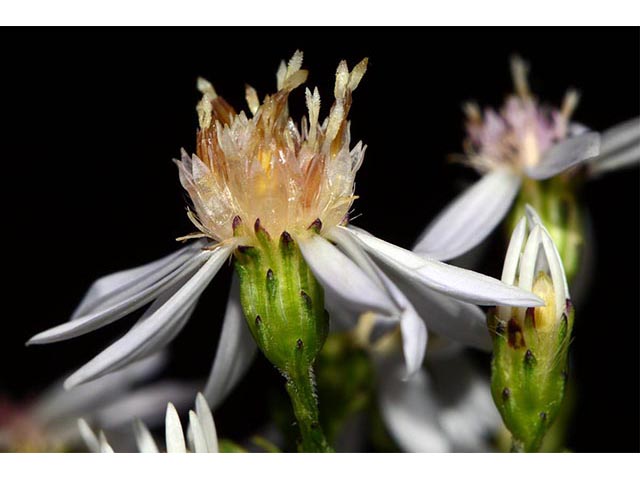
(529, 363)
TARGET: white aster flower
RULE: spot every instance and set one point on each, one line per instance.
(265, 176)
(525, 140)
(48, 423)
(201, 435)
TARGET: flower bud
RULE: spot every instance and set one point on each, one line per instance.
(529, 366)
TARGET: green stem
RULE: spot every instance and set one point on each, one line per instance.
(516, 446)
(301, 389)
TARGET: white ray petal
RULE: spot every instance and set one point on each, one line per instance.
(512, 257)
(620, 147)
(152, 343)
(455, 282)
(409, 410)
(102, 317)
(89, 437)
(557, 273)
(352, 248)
(120, 285)
(459, 321)
(58, 402)
(470, 218)
(414, 339)
(199, 441)
(620, 136)
(566, 154)
(173, 431)
(207, 423)
(339, 274)
(235, 352)
(412, 327)
(529, 259)
(626, 157)
(341, 317)
(104, 444)
(140, 339)
(144, 439)
(512, 260)
(534, 219)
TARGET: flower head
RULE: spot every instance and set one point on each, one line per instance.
(274, 196)
(269, 167)
(520, 134)
(515, 149)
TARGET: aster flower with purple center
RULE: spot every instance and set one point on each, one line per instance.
(534, 150)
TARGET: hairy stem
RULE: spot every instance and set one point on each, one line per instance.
(301, 389)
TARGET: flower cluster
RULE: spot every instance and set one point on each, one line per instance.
(272, 196)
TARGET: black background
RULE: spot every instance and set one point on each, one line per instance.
(92, 118)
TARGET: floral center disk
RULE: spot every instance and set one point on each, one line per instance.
(521, 132)
(267, 167)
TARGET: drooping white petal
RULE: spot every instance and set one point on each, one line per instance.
(459, 321)
(470, 218)
(111, 361)
(341, 316)
(102, 317)
(566, 154)
(414, 339)
(352, 248)
(236, 350)
(339, 274)
(89, 437)
(57, 402)
(146, 335)
(455, 282)
(147, 404)
(412, 327)
(207, 423)
(408, 409)
(120, 285)
(144, 439)
(557, 273)
(173, 431)
(199, 441)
